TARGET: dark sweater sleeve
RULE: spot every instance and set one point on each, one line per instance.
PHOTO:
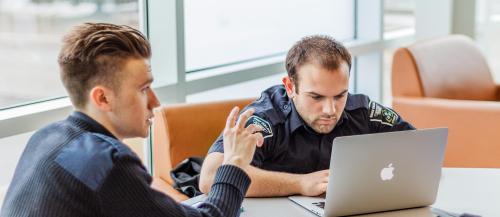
(127, 192)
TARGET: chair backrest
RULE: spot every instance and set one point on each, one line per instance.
(449, 67)
(187, 130)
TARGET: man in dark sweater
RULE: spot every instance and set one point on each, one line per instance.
(80, 167)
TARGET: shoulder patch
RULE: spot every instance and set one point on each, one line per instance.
(382, 114)
(267, 130)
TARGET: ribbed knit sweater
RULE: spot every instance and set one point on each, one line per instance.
(77, 168)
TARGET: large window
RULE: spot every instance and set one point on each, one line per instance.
(220, 32)
(30, 35)
(399, 18)
(488, 33)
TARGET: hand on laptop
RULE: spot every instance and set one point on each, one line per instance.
(240, 142)
(314, 184)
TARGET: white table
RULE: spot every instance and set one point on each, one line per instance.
(474, 191)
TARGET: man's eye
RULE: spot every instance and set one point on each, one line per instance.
(340, 97)
(316, 97)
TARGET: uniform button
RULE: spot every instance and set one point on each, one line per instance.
(285, 107)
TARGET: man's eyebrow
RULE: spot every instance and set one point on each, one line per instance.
(149, 81)
(342, 93)
(313, 93)
(317, 94)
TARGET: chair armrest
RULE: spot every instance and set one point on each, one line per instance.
(443, 105)
(162, 186)
(498, 92)
(473, 139)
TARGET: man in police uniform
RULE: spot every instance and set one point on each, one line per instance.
(300, 119)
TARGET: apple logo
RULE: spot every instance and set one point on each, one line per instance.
(387, 173)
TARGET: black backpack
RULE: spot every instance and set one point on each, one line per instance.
(186, 176)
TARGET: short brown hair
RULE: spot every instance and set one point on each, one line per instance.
(92, 54)
(318, 49)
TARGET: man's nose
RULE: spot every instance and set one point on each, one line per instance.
(329, 107)
(153, 100)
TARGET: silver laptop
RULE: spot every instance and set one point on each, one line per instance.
(381, 172)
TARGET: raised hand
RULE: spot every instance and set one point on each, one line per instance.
(240, 142)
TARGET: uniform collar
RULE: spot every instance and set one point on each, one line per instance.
(296, 121)
(89, 124)
(343, 118)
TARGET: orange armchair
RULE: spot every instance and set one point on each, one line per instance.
(185, 130)
(446, 82)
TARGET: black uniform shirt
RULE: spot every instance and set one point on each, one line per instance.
(290, 145)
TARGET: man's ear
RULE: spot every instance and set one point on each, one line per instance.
(289, 86)
(101, 98)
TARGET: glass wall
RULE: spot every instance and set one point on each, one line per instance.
(488, 32)
(220, 32)
(399, 18)
(30, 35)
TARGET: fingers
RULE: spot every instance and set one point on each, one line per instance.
(327, 176)
(322, 173)
(326, 173)
(253, 128)
(244, 118)
(231, 119)
(323, 176)
(322, 187)
(255, 131)
(260, 139)
(325, 179)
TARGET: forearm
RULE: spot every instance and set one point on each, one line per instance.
(270, 183)
(208, 170)
(264, 183)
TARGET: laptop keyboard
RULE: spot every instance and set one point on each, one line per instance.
(319, 204)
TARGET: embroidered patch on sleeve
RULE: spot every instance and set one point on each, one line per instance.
(382, 114)
(267, 130)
